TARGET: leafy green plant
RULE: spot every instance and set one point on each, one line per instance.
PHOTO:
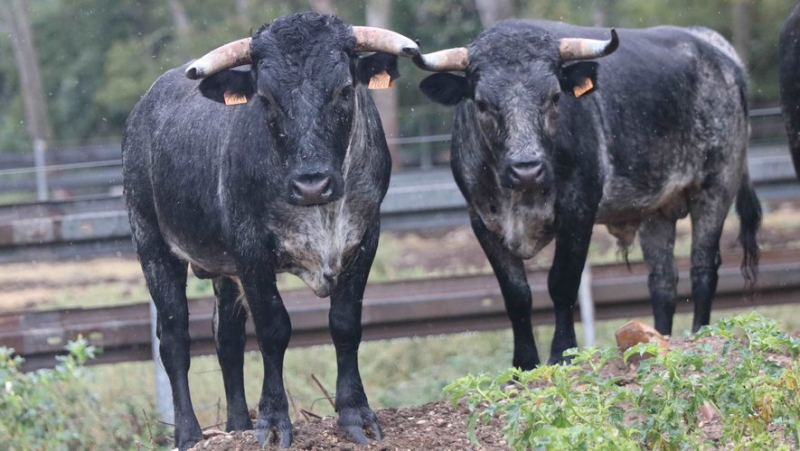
(576, 406)
(56, 409)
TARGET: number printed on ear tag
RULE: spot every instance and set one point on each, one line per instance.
(232, 98)
(582, 88)
(380, 81)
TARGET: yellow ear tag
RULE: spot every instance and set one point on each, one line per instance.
(231, 98)
(582, 88)
(381, 81)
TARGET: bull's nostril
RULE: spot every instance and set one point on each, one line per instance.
(326, 187)
(297, 189)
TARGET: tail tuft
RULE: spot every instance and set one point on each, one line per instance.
(748, 208)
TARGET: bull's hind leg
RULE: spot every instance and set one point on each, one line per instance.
(230, 317)
(657, 235)
(344, 320)
(166, 280)
(510, 273)
(708, 211)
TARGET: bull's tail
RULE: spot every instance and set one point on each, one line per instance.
(748, 208)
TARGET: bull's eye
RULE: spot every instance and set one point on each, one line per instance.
(346, 92)
(482, 106)
(555, 98)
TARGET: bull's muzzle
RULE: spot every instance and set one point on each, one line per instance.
(314, 188)
(524, 175)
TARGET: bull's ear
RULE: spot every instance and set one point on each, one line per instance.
(378, 71)
(447, 89)
(579, 78)
(231, 87)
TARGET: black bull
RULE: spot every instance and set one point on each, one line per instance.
(289, 178)
(542, 149)
(789, 56)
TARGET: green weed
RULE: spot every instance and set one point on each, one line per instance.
(57, 409)
(574, 406)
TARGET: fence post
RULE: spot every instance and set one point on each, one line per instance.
(39, 147)
(163, 389)
(587, 305)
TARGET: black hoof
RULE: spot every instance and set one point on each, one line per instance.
(239, 423)
(355, 420)
(187, 434)
(274, 428)
(559, 359)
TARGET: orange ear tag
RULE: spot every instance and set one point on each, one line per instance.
(231, 98)
(381, 81)
(584, 87)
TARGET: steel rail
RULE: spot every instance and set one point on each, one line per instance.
(99, 226)
(390, 310)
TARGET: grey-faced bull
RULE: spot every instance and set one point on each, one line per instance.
(789, 56)
(545, 145)
(289, 178)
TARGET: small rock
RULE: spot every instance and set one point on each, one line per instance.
(208, 433)
(707, 411)
(422, 421)
(635, 332)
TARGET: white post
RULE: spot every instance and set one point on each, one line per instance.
(39, 147)
(163, 389)
(587, 305)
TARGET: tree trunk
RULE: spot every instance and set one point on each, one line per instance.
(323, 6)
(379, 14)
(183, 27)
(601, 9)
(30, 81)
(242, 8)
(493, 11)
(741, 29)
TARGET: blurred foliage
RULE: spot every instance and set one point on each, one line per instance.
(98, 57)
(58, 408)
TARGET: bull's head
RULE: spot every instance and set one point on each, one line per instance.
(514, 80)
(305, 70)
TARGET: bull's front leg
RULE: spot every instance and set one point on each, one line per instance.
(273, 330)
(344, 320)
(510, 273)
(563, 282)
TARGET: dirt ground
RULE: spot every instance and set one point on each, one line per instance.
(439, 425)
(436, 425)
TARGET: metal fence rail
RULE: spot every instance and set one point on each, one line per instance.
(416, 200)
(396, 309)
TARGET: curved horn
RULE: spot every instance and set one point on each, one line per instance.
(443, 60)
(232, 54)
(584, 49)
(371, 39)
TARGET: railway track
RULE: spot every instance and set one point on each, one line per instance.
(396, 309)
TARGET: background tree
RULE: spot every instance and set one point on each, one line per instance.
(98, 57)
(30, 81)
(492, 11)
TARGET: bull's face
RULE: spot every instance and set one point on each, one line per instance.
(304, 76)
(514, 86)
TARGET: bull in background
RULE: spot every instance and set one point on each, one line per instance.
(544, 147)
(277, 167)
(789, 55)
